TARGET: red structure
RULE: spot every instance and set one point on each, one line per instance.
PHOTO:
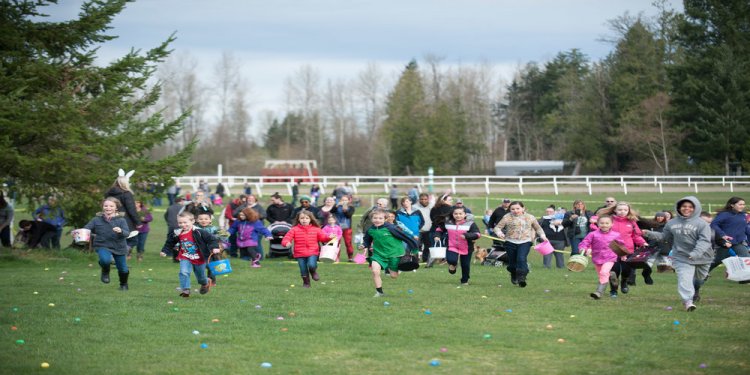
(285, 170)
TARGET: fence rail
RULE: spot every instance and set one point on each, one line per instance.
(480, 185)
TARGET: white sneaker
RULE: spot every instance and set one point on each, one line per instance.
(689, 306)
(378, 294)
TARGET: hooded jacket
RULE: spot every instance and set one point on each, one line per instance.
(690, 236)
(106, 237)
(128, 206)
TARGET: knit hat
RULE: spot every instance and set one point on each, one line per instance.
(304, 198)
(660, 214)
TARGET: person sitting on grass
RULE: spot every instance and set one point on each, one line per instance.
(385, 243)
(194, 245)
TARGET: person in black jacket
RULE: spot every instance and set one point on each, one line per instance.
(495, 218)
(121, 190)
(37, 233)
(278, 210)
(195, 247)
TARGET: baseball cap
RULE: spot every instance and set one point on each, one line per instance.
(506, 200)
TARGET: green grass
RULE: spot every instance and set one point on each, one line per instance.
(337, 327)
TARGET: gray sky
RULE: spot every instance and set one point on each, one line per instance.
(274, 38)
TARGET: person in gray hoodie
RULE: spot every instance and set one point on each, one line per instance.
(692, 252)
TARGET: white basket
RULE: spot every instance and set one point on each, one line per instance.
(438, 252)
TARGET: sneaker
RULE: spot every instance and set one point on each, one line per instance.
(451, 269)
(648, 280)
(624, 288)
(596, 295)
(205, 288)
(465, 283)
(696, 297)
(185, 293)
(124, 287)
(613, 294)
(378, 295)
(255, 265)
(140, 257)
(689, 306)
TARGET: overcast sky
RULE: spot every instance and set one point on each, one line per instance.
(274, 38)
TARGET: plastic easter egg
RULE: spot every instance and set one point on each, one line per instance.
(20, 342)
(266, 365)
(196, 332)
(434, 363)
(487, 336)
(45, 365)
(204, 346)
(386, 303)
(443, 350)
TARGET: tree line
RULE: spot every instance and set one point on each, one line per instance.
(673, 96)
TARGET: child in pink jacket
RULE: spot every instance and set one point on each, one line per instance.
(334, 231)
(596, 244)
(461, 236)
(306, 235)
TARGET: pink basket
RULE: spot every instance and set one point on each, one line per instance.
(360, 258)
(544, 248)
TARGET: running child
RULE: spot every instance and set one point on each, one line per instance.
(248, 229)
(461, 236)
(334, 231)
(385, 243)
(624, 221)
(306, 235)
(111, 230)
(195, 245)
(596, 244)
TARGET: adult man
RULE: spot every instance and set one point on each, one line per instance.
(460, 204)
(365, 223)
(424, 205)
(170, 216)
(278, 210)
(51, 213)
(608, 202)
(200, 204)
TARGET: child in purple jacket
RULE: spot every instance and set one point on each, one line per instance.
(249, 228)
(596, 244)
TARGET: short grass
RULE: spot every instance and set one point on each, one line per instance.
(337, 327)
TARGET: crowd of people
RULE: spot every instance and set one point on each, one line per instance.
(619, 241)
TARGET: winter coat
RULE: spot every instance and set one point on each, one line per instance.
(387, 241)
(690, 236)
(731, 223)
(106, 237)
(344, 216)
(279, 212)
(248, 233)
(631, 235)
(127, 206)
(147, 218)
(412, 220)
(204, 240)
(519, 228)
(598, 242)
(306, 238)
(553, 232)
(572, 224)
(461, 236)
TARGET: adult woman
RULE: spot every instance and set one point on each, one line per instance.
(6, 219)
(692, 252)
(730, 225)
(323, 211)
(410, 217)
(551, 224)
(520, 228)
(121, 191)
(440, 212)
(576, 222)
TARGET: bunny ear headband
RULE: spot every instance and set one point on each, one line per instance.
(122, 173)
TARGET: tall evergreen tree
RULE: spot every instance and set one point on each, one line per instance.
(68, 124)
(405, 111)
(712, 82)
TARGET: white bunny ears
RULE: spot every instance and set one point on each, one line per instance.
(121, 173)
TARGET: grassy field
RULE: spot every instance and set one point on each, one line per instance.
(66, 317)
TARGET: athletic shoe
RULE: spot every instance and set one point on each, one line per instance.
(378, 294)
(596, 295)
(689, 306)
(624, 288)
(185, 293)
(613, 294)
(465, 284)
(648, 280)
(255, 265)
(696, 297)
(451, 269)
(205, 288)
(613, 280)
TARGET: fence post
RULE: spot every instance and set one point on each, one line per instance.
(554, 183)
(625, 188)
(520, 185)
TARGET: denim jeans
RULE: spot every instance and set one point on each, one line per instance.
(105, 258)
(142, 242)
(186, 267)
(307, 263)
(517, 256)
(574, 245)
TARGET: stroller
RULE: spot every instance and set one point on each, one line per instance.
(497, 257)
(278, 230)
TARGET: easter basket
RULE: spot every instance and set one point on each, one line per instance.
(577, 263)
(619, 249)
(409, 262)
(219, 266)
(330, 251)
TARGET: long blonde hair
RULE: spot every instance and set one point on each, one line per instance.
(632, 214)
(122, 183)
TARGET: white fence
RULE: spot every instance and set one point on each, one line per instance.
(480, 185)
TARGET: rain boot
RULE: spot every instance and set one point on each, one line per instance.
(599, 291)
(123, 280)
(305, 281)
(314, 273)
(105, 274)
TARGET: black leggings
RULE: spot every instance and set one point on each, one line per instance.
(453, 258)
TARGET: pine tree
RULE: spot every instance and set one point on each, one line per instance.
(68, 124)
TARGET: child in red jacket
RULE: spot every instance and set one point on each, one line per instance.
(306, 235)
